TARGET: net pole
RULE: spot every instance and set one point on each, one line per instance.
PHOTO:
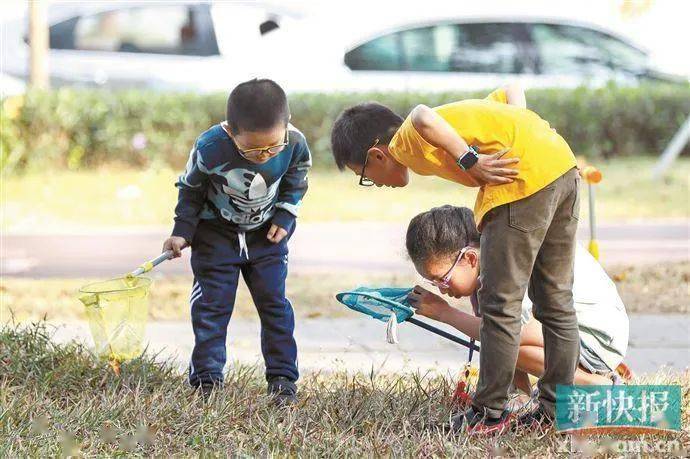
(439, 332)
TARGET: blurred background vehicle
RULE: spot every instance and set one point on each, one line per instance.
(204, 46)
(163, 45)
(11, 86)
(474, 53)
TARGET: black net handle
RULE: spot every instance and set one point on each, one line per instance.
(456, 339)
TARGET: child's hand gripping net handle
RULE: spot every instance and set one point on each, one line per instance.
(149, 265)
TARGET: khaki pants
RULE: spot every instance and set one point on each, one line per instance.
(528, 245)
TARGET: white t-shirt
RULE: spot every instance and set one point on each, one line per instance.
(601, 315)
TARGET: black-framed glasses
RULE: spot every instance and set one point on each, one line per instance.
(363, 180)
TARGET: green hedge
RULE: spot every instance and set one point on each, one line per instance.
(82, 128)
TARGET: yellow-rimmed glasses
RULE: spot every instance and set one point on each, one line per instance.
(256, 153)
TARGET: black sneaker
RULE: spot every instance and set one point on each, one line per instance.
(283, 391)
(537, 419)
(477, 424)
(207, 389)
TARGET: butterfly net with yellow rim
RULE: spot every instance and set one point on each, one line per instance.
(117, 310)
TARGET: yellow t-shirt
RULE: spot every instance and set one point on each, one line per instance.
(491, 125)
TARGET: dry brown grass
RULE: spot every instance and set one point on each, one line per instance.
(56, 400)
(56, 299)
(661, 288)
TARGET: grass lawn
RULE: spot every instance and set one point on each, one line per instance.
(56, 400)
(108, 199)
(645, 289)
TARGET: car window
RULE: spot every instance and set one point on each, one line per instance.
(381, 53)
(478, 48)
(429, 49)
(489, 48)
(165, 29)
(61, 35)
(620, 53)
(577, 50)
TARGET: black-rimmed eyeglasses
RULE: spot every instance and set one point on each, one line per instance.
(363, 180)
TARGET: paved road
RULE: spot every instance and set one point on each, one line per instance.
(358, 344)
(315, 247)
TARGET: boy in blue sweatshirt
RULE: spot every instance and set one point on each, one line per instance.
(238, 200)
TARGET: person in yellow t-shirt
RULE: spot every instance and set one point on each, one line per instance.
(526, 209)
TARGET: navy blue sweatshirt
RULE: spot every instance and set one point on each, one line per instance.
(218, 183)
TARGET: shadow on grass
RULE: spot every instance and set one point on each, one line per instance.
(60, 399)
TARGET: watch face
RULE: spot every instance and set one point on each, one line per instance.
(468, 160)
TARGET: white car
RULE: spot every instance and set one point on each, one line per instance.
(192, 45)
(463, 53)
(203, 47)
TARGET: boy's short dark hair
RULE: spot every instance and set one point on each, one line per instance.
(357, 128)
(257, 105)
(440, 233)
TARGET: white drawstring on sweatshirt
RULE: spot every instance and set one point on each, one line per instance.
(241, 237)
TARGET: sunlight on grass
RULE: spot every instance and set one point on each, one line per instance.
(57, 400)
(111, 199)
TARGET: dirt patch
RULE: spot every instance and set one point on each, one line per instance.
(659, 288)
